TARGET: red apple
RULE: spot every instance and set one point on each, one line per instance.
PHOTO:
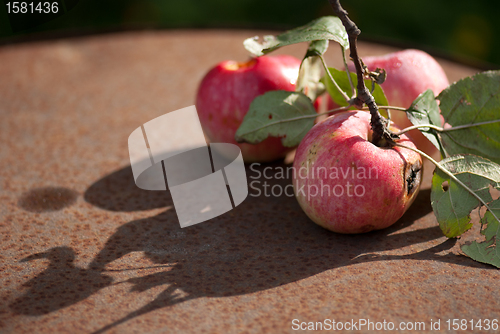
(409, 73)
(345, 183)
(225, 94)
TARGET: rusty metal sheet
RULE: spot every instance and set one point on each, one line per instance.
(84, 250)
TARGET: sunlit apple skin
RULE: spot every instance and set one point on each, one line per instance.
(409, 73)
(225, 94)
(378, 184)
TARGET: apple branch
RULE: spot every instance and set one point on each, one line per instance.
(382, 136)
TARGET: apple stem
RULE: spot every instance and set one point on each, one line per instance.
(394, 108)
(344, 95)
(348, 72)
(420, 127)
(440, 129)
(382, 136)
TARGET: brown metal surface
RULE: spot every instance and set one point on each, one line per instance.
(83, 249)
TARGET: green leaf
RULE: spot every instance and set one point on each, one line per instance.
(324, 28)
(487, 251)
(289, 115)
(453, 206)
(343, 81)
(317, 48)
(425, 110)
(473, 100)
(308, 81)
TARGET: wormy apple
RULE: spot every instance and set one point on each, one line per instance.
(409, 73)
(225, 94)
(345, 183)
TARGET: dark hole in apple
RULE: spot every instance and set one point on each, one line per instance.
(413, 179)
(445, 185)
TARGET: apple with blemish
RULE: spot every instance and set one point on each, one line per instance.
(228, 89)
(345, 183)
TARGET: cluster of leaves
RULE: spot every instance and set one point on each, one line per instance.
(468, 177)
(288, 115)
